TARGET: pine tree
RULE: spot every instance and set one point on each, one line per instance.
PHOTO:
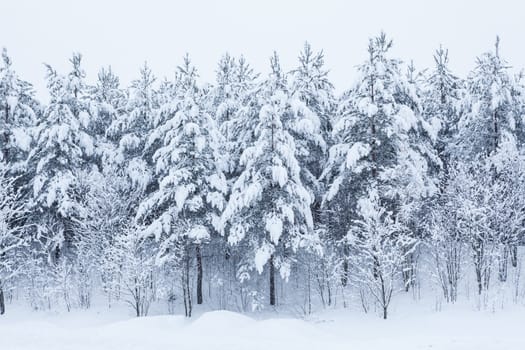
(131, 128)
(107, 104)
(107, 100)
(378, 145)
(234, 109)
(490, 118)
(441, 105)
(270, 188)
(191, 185)
(12, 229)
(19, 112)
(488, 134)
(443, 92)
(64, 148)
(314, 92)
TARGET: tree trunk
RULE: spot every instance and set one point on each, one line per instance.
(272, 282)
(2, 300)
(5, 150)
(199, 274)
(385, 312)
(503, 263)
(184, 297)
(329, 289)
(453, 267)
(496, 131)
(186, 286)
(514, 255)
(407, 271)
(344, 277)
(478, 264)
(479, 280)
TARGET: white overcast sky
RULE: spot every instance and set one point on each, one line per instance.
(125, 33)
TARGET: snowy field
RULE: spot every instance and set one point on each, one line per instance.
(458, 328)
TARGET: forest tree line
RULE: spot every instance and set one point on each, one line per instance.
(252, 191)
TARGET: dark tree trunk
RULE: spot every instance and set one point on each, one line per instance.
(184, 296)
(503, 263)
(5, 150)
(329, 289)
(272, 281)
(186, 286)
(496, 131)
(478, 264)
(479, 280)
(57, 254)
(2, 301)
(514, 255)
(199, 274)
(137, 306)
(344, 277)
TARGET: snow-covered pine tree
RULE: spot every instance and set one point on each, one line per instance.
(310, 85)
(107, 104)
(224, 94)
(314, 92)
(442, 94)
(232, 102)
(426, 165)
(111, 197)
(64, 148)
(441, 105)
(490, 117)
(19, 112)
(269, 207)
(379, 145)
(107, 100)
(223, 102)
(129, 131)
(518, 94)
(488, 134)
(191, 186)
(244, 122)
(12, 232)
(314, 104)
(234, 109)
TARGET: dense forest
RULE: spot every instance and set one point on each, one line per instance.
(255, 192)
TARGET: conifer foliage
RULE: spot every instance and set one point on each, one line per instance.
(257, 190)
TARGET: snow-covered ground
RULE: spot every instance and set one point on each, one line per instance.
(458, 328)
